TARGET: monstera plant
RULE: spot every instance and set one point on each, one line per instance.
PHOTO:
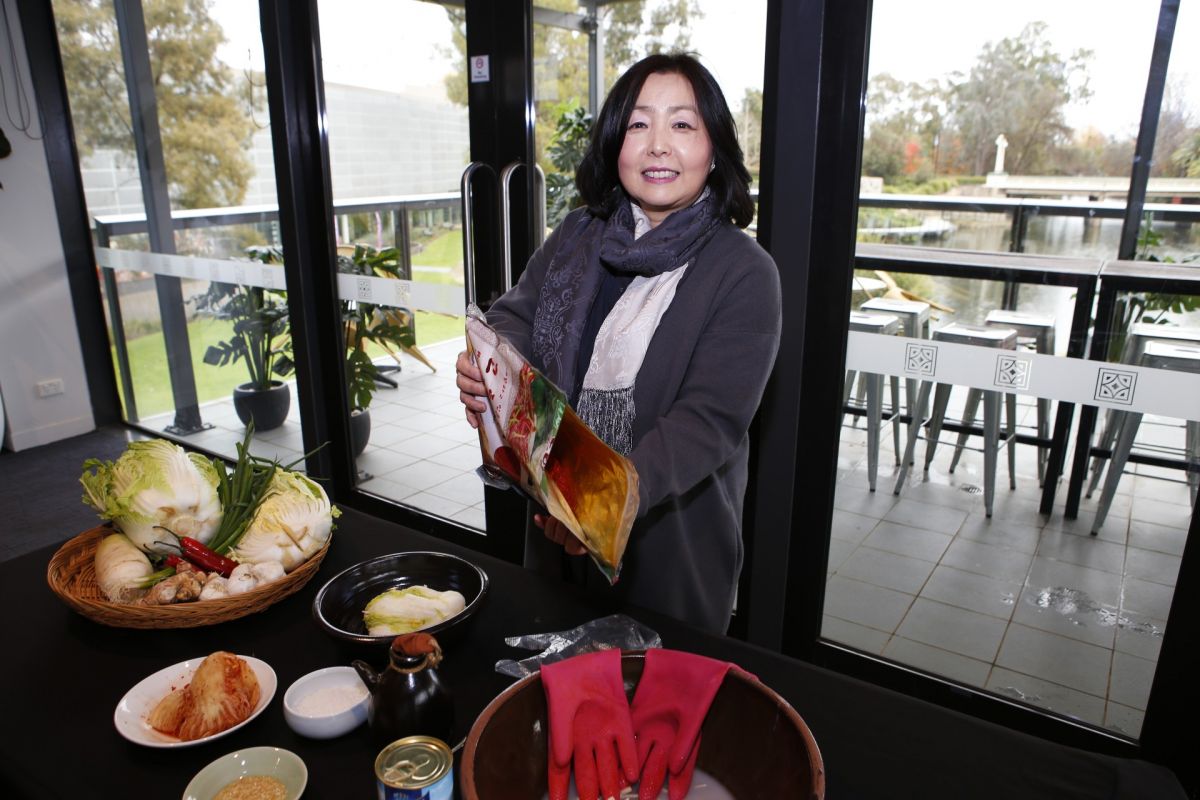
(260, 340)
(390, 328)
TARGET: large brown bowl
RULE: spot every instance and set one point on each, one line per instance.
(752, 741)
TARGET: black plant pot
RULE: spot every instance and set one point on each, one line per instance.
(360, 430)
(268, 408)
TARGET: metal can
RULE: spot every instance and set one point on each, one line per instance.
(415, 768)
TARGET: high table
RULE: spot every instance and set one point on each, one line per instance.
(62, 676)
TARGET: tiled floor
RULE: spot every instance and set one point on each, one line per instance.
(421, 452)
(1033, 608)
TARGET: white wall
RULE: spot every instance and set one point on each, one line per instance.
(38, 338)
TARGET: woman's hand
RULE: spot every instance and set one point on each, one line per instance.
(471, 390)
(559, 534)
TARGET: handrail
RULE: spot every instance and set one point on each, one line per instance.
(122, 224)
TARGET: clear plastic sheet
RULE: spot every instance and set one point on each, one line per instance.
(616, 630)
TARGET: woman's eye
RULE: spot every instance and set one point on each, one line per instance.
(639, 124)
(683, 125)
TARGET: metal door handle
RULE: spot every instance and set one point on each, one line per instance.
(468, 226)
(540, 235)
(506, 221)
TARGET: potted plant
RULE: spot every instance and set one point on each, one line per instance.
(388, 327)
(260, 340)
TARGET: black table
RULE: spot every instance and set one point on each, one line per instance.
(62, 676)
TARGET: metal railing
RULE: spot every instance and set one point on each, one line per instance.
(1021, 210)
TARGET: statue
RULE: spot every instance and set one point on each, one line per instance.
(1001, 146)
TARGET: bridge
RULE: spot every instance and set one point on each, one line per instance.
(1092, 187)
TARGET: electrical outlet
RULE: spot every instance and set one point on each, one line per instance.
(50, 388)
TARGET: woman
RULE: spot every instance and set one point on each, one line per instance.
(660, 319)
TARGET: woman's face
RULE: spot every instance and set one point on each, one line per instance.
(665, 157)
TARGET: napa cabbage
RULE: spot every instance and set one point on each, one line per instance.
(293, 521)
(155, 484)
(412, 608)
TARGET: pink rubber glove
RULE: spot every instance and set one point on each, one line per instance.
(671, 702)
(590, 726)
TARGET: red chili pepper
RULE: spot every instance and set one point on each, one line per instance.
(174, 560)
(196, 552)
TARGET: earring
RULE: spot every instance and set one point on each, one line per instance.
(713, 165)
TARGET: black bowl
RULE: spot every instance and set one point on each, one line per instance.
(338, 607)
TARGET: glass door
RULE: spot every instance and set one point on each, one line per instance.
(176, 164)
(396, 105)
(950, 551)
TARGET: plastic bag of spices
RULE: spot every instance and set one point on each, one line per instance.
(532, 441)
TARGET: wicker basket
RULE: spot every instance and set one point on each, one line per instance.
(72, 576)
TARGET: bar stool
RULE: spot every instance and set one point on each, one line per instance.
(996, 338)
(1161, 355)
(887, 325)
(1139, 336)
(914, 319)
(1037, 331)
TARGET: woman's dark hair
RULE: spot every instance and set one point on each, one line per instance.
(597, 178)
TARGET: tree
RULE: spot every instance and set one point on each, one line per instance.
(1093, 153)
(749, 122)
(203, 114)
(1176, 127)
(1187, 157)
(631, 29)
(1018, 87)
(905, 122)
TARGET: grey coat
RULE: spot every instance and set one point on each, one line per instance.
(695, 395)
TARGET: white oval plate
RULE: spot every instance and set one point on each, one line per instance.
(138, 702)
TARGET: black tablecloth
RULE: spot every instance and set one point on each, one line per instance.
(62, 675)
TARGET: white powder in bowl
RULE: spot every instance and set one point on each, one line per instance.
(330, 700)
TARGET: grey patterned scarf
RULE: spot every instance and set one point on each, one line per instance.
(573, 278)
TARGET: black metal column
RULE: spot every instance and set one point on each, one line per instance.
(296, 96)
(1105, 313)
(812, 129)
(1076, 348)
(1151, 108)
(501, 120)
(143, 111)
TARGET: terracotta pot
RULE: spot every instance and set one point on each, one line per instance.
(752, 741)
(268, 408)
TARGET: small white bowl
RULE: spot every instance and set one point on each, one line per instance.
(329, 725)
(282, 765)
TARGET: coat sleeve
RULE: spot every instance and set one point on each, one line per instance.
(721, 388)
(512, 315)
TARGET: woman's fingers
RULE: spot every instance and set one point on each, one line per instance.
(559, 534)
(471, 390)
(472, 402)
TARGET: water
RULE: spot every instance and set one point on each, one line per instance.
(1061, 236)
(971, 300)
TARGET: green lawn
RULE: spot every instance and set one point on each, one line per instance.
(444, 250)
(148, 359)
(152, 384)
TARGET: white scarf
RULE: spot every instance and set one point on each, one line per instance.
(606, 399)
